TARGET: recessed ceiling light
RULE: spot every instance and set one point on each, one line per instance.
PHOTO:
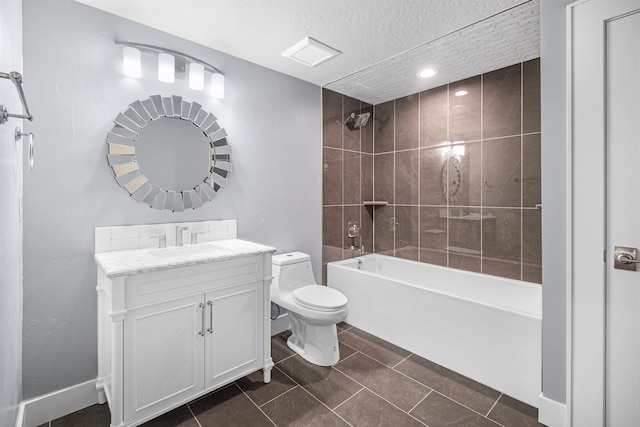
(310, 52)
(427, 72)
(461, 93)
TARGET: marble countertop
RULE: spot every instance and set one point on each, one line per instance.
(135, 261)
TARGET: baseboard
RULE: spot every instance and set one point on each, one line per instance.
(58, 404)
(280, 324)
(552, 413)
(20, 415)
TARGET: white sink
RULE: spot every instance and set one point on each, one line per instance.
(182, 251)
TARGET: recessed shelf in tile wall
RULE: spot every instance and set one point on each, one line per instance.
(374, 203)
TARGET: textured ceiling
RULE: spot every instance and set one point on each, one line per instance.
(367, 32)
(508, 38)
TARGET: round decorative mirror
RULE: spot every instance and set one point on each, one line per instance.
(452, 179)
(169, 153)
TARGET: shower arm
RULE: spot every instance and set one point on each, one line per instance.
(16, 78)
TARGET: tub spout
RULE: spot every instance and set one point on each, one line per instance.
(358, 248)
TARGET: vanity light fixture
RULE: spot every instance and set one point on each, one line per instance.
(427, 72)
(172, 64)
(461, 93)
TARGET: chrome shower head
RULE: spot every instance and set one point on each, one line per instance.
(356, 121)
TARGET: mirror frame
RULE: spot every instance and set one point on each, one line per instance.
(121, 157)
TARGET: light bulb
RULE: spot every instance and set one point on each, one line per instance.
(427, 72)
(196, 76)
(131, 65)
(166, 68)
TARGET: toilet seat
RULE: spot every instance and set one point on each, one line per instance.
(316, 297)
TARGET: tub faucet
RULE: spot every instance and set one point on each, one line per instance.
(359, 264)
(180, 229)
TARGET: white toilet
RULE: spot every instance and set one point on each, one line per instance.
(314, 310)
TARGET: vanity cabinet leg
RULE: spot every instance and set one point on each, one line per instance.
(267, 370)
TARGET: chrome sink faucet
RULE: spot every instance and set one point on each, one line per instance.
(180, 229)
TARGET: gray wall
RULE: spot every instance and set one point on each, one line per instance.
(73, 72)
(10, 225)
(554, 198)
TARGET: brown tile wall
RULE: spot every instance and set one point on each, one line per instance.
(483, 148)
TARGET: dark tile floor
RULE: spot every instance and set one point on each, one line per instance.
(374, 384)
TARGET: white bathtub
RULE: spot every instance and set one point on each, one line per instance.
(484, 327)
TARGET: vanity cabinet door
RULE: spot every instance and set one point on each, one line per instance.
(164, 355)
(234, 333)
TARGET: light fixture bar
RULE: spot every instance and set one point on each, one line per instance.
(157, 49)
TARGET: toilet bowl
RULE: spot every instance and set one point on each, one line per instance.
(314, 310)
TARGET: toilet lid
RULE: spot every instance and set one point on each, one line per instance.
(319, 297)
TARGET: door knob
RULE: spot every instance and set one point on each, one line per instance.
(625, 258)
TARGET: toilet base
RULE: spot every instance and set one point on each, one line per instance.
(314, 343)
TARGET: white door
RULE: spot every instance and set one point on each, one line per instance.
(605, 170)
(623, 221)
(234, 334)
(164, 356)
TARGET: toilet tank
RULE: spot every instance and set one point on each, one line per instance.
(291, 271)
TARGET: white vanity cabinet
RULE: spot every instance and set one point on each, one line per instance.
(169, 335)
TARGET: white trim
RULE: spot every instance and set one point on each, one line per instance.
(552, 413)
(569, 216)
(59, 403)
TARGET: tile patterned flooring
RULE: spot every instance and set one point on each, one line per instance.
(375, 383)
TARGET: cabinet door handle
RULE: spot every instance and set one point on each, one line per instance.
(210, 329)
(201, 333)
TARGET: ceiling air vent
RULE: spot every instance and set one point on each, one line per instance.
(310, 52)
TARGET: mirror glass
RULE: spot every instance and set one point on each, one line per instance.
(169, 153)
(173, 153)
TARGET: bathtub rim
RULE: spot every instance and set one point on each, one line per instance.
(537, 315)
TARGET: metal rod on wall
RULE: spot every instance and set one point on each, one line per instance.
(16, 78)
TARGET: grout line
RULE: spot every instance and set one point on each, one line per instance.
(323, 404)
(447, 189)
(470, 409)
(371, 391)
(481, 168)
(398, 372)
(419, 177)
(351, 355)
(393, 177)
(299, 385)
(521, 166)
(373, 180)
(194, 415)
(421, 400)
(286, 358)
(280, 395)
(350, 397)
(394, 366)
(494, 405)
(258, 407)
(346, 329)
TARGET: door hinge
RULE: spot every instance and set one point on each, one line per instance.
(605, 256)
